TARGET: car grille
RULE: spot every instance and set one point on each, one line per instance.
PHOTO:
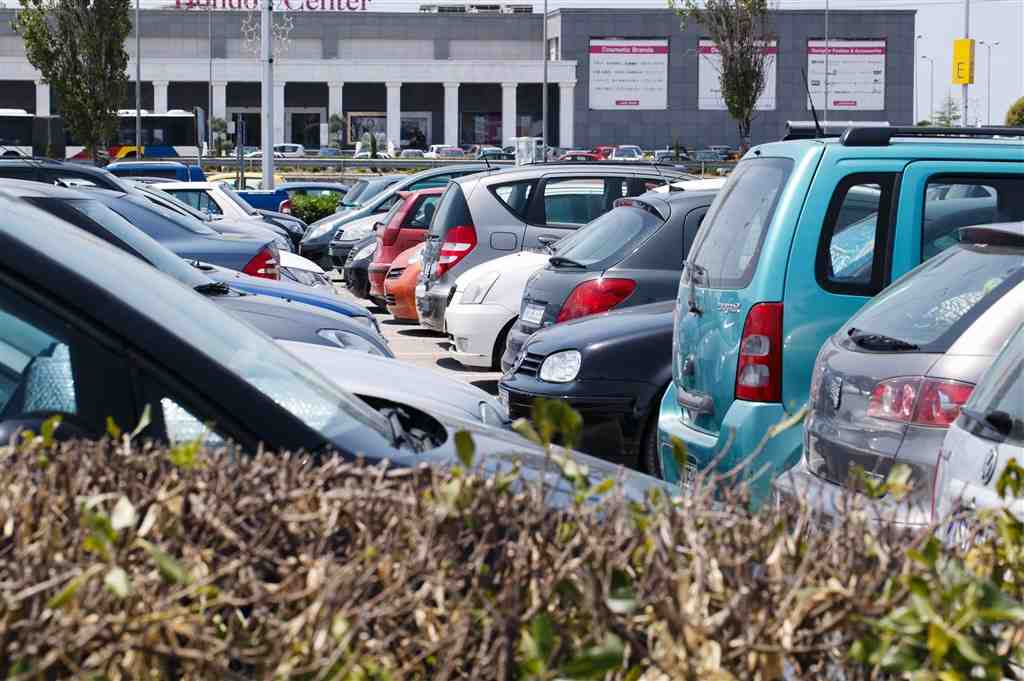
(395, 272)
(530, 364)
(389, 299)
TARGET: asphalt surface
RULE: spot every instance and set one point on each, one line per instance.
(416, 345)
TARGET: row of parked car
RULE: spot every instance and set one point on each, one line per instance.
(872, 279)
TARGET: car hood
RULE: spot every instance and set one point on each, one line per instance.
(429, 390)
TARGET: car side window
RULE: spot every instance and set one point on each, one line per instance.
(955, 202)
(575, 201)
(430, 183)
(424, 212)
(515, 196)
(855, 235)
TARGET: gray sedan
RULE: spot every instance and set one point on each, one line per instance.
(887, 386)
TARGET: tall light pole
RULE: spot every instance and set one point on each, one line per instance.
(967, 34)
(989, 44)
(267, 92)
(209, 80)
(931, 91)
(544, 90)
(138, 83)
(917, 39)
(827, 50)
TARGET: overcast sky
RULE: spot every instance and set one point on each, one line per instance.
(938, 21)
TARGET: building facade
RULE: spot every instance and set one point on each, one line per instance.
(474, 78)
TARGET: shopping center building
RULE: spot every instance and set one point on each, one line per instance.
(455, 73)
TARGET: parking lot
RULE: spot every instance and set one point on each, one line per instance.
(416, 345)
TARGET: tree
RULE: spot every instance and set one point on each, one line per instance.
(336, 124)
(78, 47)
(1015, 116)
(219, 130)
(948, 114)
(741, 29)
(924, 122)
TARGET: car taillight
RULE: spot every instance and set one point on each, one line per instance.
(594, 296)
(263, 264)
(759, 368)
(458, 242)
(285, 207)
(920, 401)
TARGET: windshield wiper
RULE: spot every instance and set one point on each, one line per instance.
(876, 341)
(560, 261)
(214, 288)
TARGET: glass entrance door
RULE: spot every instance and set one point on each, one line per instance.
(305, 128)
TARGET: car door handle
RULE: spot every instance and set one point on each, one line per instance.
(548, 239)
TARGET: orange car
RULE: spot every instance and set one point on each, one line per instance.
(400, 284)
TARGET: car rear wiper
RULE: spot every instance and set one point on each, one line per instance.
(214, 288)
(877, 341)
(560, 261)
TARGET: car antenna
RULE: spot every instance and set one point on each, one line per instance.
(654, 165)
(819, 133)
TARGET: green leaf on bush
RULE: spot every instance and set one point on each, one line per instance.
(898, 482)
(595, 662)
(117, 582)
(49, 426)
(65, 595)
(465, 448)
(170, 569)
(938, 642)
(143, 423)
(1011, 480)
(112, 429)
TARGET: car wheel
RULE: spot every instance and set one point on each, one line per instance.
(500, 343)
(650, 460)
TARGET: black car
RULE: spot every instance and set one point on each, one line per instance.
(631, 255)
(91, 333)
(357, 267)
(613, 368)
(276, 317)
(63, 173)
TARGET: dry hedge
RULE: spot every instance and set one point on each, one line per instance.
(123, 561)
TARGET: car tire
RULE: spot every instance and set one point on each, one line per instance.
(500, 343)
(649, 459)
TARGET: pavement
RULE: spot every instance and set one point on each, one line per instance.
(416, 345)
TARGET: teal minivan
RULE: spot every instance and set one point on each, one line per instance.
(801, 236)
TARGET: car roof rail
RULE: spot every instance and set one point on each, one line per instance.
(882, 136)
(1007, 234)
(640, 163)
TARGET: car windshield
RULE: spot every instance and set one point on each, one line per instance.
(932, 304)
(1002, 387)
(231, 194)
(352, 197)
(612, 234)
(146, 246)
(199, 324)
(728, 244)
(157, 195)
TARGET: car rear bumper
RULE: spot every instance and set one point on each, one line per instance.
(612, 423)
(431, 304)
(474, 330)
(742, 434)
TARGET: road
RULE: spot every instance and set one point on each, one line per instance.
(413, 344)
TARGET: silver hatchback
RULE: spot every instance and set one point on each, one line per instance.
(887, 386)
(483, 217)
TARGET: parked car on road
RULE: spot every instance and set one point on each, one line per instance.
(282, 150)
(276, 317)
(303, 271)
(400, 285)
(357, 268)
(483, 217)
(890, 382)
(169, 170)
(411, 153)
(252, 180)
(988, 434)
(631, 255)
(63, 173)
(612, 368)
(671, 156)
(404, 226)
(604, 151)
(580, 156)
(627, 152)
(801, 236)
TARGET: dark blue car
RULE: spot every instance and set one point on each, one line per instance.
(172, 170)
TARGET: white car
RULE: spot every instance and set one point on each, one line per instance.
(988, 433)
(627, 152)
(302, 270)
(486, 305)
(214, 198)
(282, 151)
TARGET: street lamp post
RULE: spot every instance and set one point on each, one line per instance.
(917, 39)
(138, 83)
(544, 92)
(931, 91)
(989, 44)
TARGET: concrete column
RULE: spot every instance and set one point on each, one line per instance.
(509, 115)
(566, 114)
(42, 98)
(335, 105)
(220, 100)
(394, 127)
(160, 96)
(278, 113)
(451, 114)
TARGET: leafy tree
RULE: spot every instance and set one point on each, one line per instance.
(78, 47)
(924, 122)
(948, 113)
(336, 124)
(1015, 116)
(740, 29)
(219, 130)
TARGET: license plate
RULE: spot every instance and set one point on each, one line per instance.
(688, 476)
(503, 397)
(532, 314)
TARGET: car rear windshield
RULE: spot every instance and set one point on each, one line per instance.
(932, 305)
(452, 211)
(611, 236)
(352, 197)
(729, 243)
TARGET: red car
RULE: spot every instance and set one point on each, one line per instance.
(581, 156)
(603, 151)
(403, 227)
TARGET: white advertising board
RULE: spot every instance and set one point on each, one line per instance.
(709, 69)
(856, 74)
(628, 73)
